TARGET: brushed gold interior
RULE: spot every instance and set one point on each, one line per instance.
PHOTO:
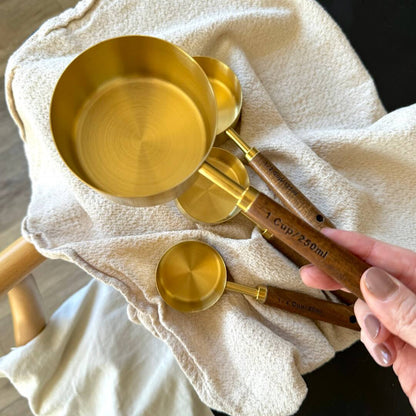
(227, 91)
(206, 202)
(191, 276)
(134, 118)
(227, 105)
(145, 159)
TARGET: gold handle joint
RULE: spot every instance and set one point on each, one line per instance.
(261, 294)
(244, 196)
(251, 154)
(247, 199)
(248, 151)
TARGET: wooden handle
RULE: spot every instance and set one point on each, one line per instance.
(344, 297)
(313, 308)
(279, 245)
(296, 202)
(16, 262)
(290, 196)
(319, 250)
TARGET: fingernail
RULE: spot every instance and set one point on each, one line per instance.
(372, 325)
(383, 354)
(327, 231)
(306, 266)
(379, 283)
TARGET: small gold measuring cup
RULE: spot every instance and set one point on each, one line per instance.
(192, 276)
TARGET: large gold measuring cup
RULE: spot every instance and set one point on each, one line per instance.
(134, 118)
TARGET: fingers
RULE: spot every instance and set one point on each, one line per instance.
(397, 261)
(392, 302)
(383, 353)
(369, 323)
(313, 277)
(388, 349)
(374, 335)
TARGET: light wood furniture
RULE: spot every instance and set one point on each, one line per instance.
(16, 263)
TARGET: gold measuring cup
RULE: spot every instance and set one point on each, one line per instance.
(192, 276)
(205, 202)
(134, 118)
(229, 97)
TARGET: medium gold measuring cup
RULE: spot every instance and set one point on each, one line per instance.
(192, 276)
(229, 97)
(205, 202)
(134, 118)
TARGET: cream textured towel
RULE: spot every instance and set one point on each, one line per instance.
(91, 360)
(308, 103)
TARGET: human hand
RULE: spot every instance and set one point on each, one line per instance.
(388, 316)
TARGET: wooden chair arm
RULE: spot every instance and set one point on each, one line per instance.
(16, 262)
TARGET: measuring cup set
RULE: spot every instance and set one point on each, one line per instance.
(135, 118)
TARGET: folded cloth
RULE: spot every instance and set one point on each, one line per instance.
(91, 360)
(309, 104)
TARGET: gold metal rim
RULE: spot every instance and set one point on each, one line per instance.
(191, 276)
(227, 92)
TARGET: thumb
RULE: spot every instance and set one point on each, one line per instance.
(392, 302)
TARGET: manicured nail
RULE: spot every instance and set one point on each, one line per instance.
(383, 354)
(379, 283)
(306, 266)
(327, 230)
(372, 325)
